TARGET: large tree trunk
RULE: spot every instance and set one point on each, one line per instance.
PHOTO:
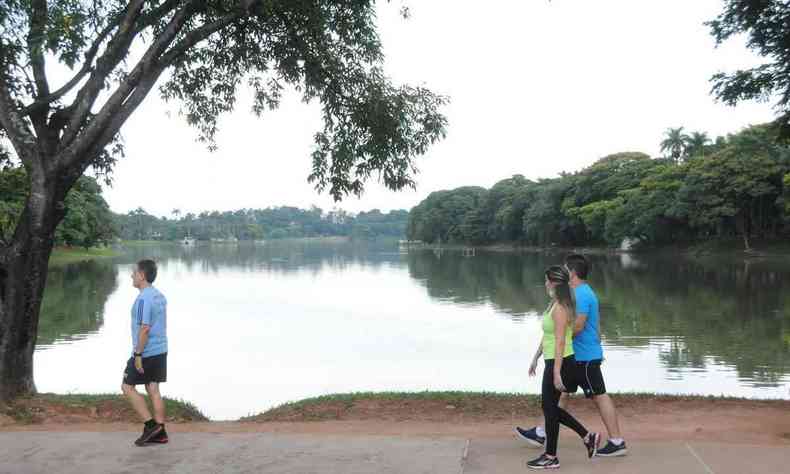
(23, 275)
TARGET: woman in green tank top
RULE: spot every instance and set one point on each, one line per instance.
(559, 368)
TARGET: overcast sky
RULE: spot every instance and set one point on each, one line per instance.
(536, 88)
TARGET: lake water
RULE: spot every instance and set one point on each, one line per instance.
(253, 326)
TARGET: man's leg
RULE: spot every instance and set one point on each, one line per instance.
(564, 400)
(157, 402)
(137, 401)
(608, 415)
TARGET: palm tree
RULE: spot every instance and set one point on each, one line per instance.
(695, 144)
(674, 143)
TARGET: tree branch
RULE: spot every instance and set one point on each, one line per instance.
(15, 127)
(86, 68)
(136, 86)
(196, 36)
(112, 128)
(147, 70)
(157, 13)
(35, 44)
(114, 54)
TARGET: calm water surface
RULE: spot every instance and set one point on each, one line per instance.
(253, 326)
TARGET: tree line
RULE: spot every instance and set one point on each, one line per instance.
(735, 186)
(88, 221)
(255, 224)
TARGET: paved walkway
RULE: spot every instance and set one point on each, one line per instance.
(498, 456)
(48, 452)
(88, 453)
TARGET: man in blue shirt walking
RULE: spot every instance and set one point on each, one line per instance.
(589, 355)
(148, 364)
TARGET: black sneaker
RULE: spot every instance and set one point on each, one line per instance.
(160, 438)
(531, 437)
(544, 462)
(149, 432)
(591, 443)
(611, 450)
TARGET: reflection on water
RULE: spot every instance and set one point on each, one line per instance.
(291, 319)
(73, 306)
(693, 311)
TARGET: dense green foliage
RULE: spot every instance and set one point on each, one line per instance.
(255, 224)
(766, 26)
(88, 220)
(737, 186)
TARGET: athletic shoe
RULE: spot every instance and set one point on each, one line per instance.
(612, 450)
(544, 462)
(531, 437)
(160, 438)
(149, 432)
(591, 443)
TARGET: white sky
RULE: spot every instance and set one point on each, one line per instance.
(537, 88)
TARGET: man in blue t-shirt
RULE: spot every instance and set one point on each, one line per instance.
(589, 355)
(148, 364)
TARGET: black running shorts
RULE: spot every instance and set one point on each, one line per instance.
(590, 378)
(154, 371)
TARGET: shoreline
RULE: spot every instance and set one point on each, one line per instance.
(716, 249)
(64, 255)
(429, 406)
(643, 417)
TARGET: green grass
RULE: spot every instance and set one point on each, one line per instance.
(326, 407)
(63, 255)
(471, 405)
(27, 410)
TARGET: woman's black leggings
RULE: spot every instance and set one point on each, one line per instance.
(550, 399)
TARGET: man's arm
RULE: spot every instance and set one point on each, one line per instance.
(583, 308)
(144, 315)
(142, 339)
(578, 325)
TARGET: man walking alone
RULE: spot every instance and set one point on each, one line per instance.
(148, 364)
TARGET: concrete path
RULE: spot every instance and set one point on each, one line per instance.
(113, 452)
(501, 457)
(104, 453)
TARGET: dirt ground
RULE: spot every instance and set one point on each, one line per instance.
(641, 418)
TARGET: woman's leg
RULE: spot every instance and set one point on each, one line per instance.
(568, 372)
(550, 398)
(568, 420)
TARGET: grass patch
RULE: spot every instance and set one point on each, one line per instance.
(63, 255)
(468, 406)
(81, 408)
(389, 405)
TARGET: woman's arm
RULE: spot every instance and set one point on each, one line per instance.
(534, 366)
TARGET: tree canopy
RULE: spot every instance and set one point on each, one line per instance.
(255, 224)
(766, 25)
(118, 50)
(735, 187)
(87, 222)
